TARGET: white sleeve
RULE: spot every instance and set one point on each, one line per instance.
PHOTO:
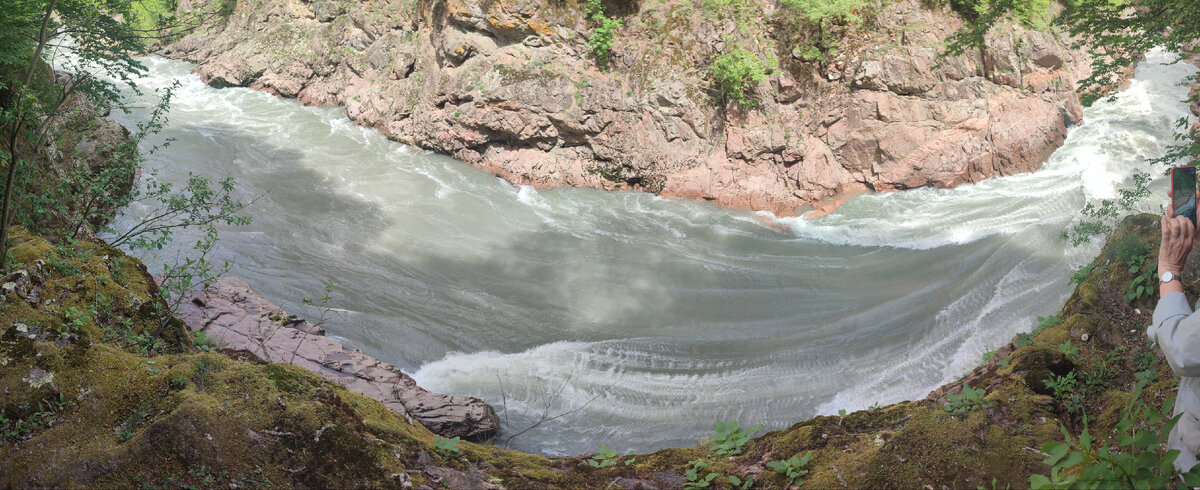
(1177, 333)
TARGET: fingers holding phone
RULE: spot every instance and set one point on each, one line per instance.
(1179, 225)
(1183, 193)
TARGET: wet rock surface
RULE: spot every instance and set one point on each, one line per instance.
(233, 316)
(509, 87)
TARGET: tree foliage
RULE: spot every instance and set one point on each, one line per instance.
(1115, 32)
(824, 11)
(94, 56)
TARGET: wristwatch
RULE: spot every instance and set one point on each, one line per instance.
(1169, 276)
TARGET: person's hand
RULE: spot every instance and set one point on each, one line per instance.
(1177, 235)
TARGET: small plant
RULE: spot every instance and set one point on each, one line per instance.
(1083, 273)
(995, 486)
(324, 308)
(1102, 373)
(102, 308)
(1144, 360)
(1070, 391)
(1142, 286)
(730, 438)
(73, 319)
(1069, 350)
(606, 457)
(792, 469)
(64, 267)
(1131, 250)
(143, 342)
(200, 340)
(1062, 386)
(178, 383)
(694, 478)
(448, 448)
(1098, 217)
(46, 414)
(969, 400)
(739, 483)
(1046, 323)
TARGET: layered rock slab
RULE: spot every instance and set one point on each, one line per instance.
(235, 317)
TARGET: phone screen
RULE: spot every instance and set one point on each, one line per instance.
(1183, 187)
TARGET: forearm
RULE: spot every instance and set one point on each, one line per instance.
(1175, 332)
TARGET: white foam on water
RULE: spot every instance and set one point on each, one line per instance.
(529, 196)
(1095, 158)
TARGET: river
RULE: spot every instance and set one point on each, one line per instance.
(647, 319)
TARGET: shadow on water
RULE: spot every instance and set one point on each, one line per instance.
(279, 176)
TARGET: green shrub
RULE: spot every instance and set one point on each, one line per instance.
(601, 39)
(740, 484)
(1143, 284)
(738, 71)
(823, 11)
(73, 319)
(1032, 12)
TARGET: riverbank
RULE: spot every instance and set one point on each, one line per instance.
(109, 405)
(510, 88)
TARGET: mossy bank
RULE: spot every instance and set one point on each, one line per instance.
(100, 393)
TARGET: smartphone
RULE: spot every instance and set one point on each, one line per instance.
(1183, 188)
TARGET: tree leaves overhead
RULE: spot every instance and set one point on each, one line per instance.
(1115, 32)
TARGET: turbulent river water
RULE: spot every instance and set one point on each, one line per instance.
(649, 318)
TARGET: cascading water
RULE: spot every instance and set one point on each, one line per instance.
(657, 317)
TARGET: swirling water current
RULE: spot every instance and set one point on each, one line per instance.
(649, 318)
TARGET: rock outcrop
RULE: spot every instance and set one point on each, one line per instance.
(510, 87)
(235, 317)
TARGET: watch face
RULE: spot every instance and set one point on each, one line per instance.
(1168, 276)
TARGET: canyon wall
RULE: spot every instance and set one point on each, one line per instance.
(510, 87)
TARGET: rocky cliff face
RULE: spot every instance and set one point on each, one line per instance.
(509, 86)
